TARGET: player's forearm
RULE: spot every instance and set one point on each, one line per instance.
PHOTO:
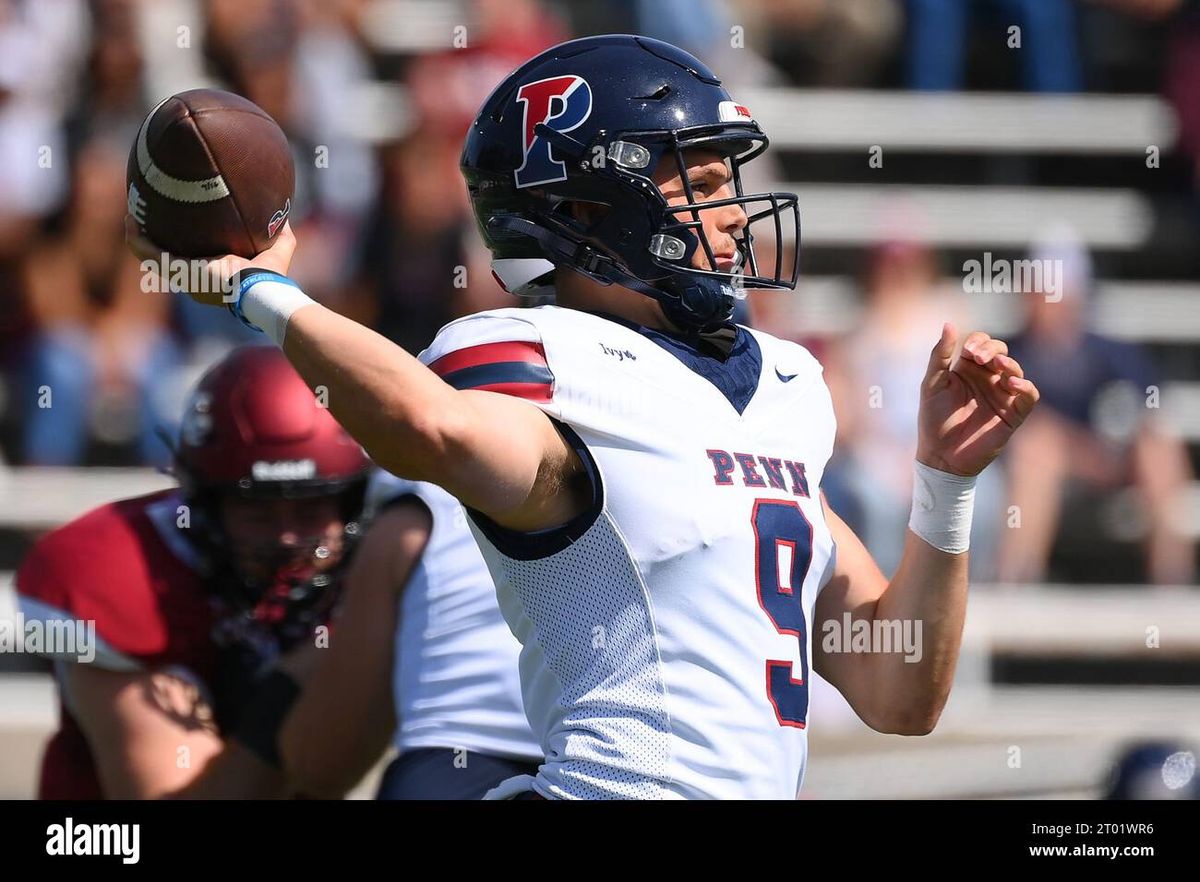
(234, 773)
(901, 682)
(322, 755)
(927, 599)
(475, 445)
(399, 410)
(496, 454)
(150, 732)
(326, 760)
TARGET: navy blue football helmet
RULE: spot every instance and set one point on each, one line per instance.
(1154, 770)
(588, 122)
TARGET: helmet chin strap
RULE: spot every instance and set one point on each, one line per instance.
(699, 305)
(691, 303)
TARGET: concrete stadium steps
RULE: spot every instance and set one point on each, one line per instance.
(1081, 620)
(958, 215)
(41, 498)
(1065, 740)
(1136, 311)
(994, 122)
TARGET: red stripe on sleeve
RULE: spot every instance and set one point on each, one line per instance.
(489, 353)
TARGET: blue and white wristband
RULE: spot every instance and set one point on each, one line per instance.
(265, 300)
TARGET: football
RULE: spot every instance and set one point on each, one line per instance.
(210, 174)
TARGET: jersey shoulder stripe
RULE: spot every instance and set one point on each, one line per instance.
(516, 368)
(506, 325)
(500, 350)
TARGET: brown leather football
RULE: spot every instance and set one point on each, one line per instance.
(210, 174)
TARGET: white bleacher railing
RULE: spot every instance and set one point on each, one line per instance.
(841, 120)
(1147, 312)
(946, 215)
(43, 498)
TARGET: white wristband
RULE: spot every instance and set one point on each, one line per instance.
(268, 304)
(942, 505)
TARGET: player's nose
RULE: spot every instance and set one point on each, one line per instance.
(731, 217)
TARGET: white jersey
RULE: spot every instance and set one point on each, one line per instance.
(456, 682)
(666, 632)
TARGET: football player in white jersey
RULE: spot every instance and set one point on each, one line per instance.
(642, 475)
(419, 655)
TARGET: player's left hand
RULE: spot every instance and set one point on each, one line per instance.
(970, 406)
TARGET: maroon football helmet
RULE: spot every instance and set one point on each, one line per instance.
(253, 430)
(253, 427)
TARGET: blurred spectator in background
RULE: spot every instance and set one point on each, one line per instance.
(41, 50)
(753, 43)
(1182, 82)
(97, 348)
(385, 233)
(1047, 52)
(830, 43)
(100, 345)
(300, 63)
(423, 263)
(111, 99)
(449, 86)
(419, 264)
(1098, 429)
(875, 379)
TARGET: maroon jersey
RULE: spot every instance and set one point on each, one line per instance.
(127, 567)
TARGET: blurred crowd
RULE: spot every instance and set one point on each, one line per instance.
(92, 368)
(1092, 435)
(95, 365)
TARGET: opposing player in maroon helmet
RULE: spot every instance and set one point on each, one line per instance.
(198, 593)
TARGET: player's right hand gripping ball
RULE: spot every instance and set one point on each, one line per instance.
(210, 174)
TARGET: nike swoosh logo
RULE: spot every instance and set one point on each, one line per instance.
(785, 378)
